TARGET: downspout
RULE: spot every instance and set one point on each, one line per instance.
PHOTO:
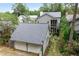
(42, 47)
(11, 44)
(27, 46)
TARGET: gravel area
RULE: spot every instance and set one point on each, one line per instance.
(6, 51)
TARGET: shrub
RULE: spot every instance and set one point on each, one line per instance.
(54, 46)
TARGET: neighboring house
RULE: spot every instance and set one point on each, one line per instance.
(52, 18)
(27, 19)
(31, 38)
(21, 18)
(70, 18)
(5, 22)
(33, 17)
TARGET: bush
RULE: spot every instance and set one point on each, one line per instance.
(64, 35)
(64, 29)
(1, 41)
(5, 36)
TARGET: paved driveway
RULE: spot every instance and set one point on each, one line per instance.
(6, 51)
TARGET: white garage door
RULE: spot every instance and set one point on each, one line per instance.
(21, 46)
(34, 48)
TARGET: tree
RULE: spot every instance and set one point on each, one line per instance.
(35, 12)
(64, 28)
(20, 9)
(9, 17)
(51, 7)
(44, 8)
(56, 7)
(7, 28)
(68, 8)
(63, 33)
(72, 27)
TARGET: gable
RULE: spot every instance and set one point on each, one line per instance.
(45, 18)
(53, 14)
(45, 15)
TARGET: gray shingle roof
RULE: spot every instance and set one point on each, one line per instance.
(30, 33)
(70, 17)
(53, 14)
(45, 15)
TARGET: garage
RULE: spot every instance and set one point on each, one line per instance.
(30, 38)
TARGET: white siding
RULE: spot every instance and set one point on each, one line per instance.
(58, 22)
(20, 46)
(44, 19)
(34, 48)
(31, 47)
(45, 45)
(77, 25)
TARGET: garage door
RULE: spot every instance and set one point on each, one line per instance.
(21, 46)
(34, 48)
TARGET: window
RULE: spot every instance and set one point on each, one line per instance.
(53, 26)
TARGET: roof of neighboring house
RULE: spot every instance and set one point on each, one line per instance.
(21, 17)
(44, 15)
(70, 17)
(53, 14)
(30, 33)
(33, 16)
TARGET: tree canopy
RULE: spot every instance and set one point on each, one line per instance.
(20, 9)
(9, 16)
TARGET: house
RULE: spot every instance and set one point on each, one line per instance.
(31, 38)
(27, 19)
(22, 18)
(33, 17)
(70, 18)
(52, 18)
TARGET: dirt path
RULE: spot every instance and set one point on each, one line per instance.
(6, 51)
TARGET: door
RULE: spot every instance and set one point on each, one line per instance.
(21, 46)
